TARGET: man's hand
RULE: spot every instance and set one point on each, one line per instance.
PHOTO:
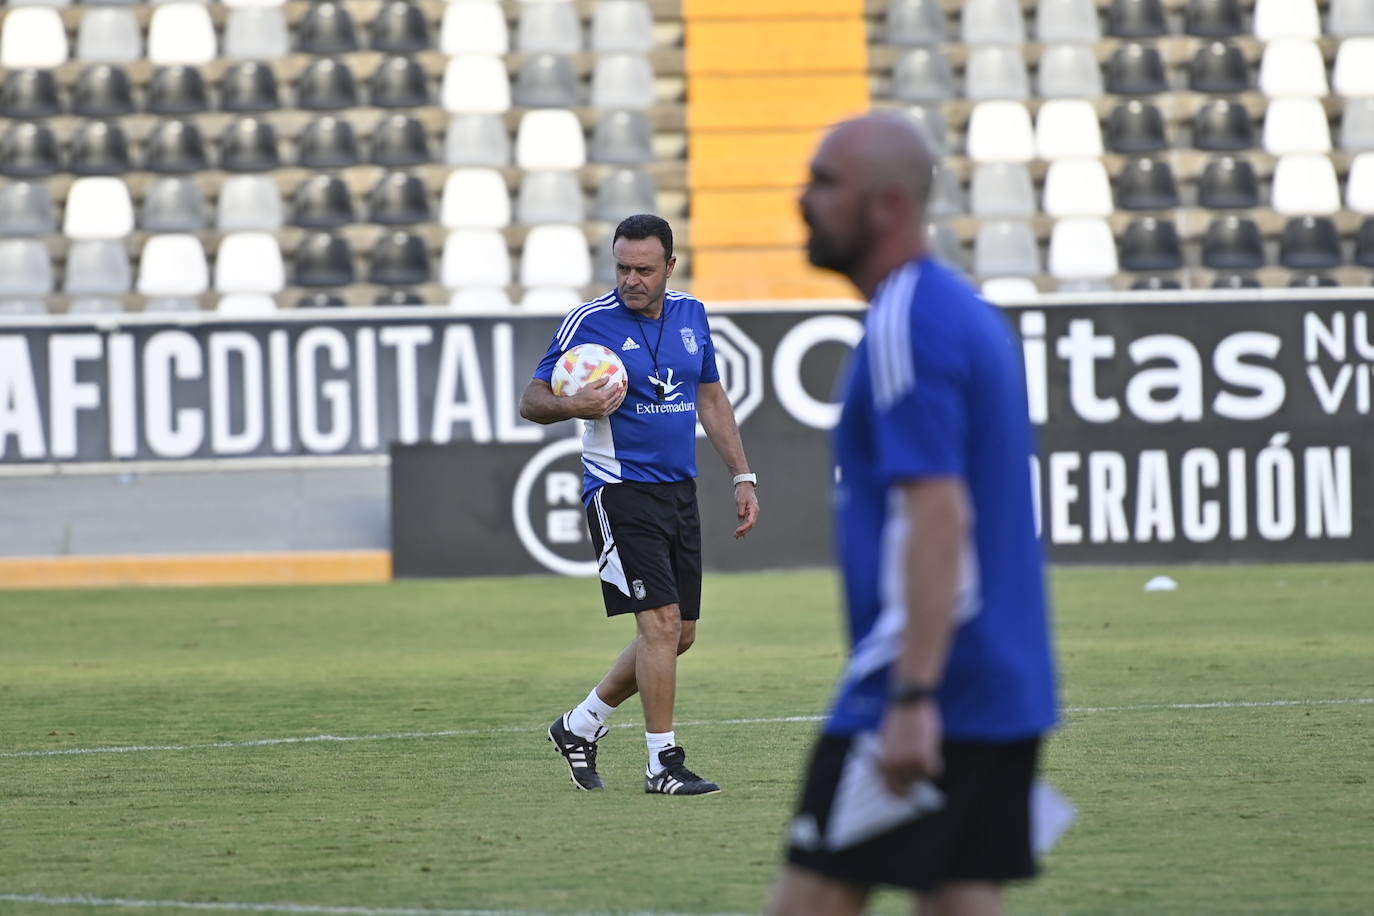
(599, 399)
(909, 747)
(746, 508)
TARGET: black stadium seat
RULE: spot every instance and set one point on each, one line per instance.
(399, 141)
(249, 145)
(1156, 282)
(1151, 244)
(1310, 243)
(1136, 68)
(400, 28)
(29, 150)
(399, 82)
(1229, 183)
(177, 90)
(323, 260)
(1213, 18)
(326, 85)
(328, 143)
(249, 86)
(1223, 125)
(399, 199)
(1136, 19)
(399, 259)
(176, 148)
(1364, 243)
(103, 91)
(99, 148)
(1233, 243)
(322, 202)
(1146, 184)
(1135, 126)
(30, 94)
(1220, 68)
(326, 28)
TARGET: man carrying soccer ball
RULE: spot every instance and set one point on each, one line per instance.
(639, 470)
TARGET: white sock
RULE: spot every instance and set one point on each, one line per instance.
(658, 741)
(588, 718)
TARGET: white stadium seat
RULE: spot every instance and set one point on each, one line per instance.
(480, 299)
(1353, 73)
(1286, 19)
(476, 84)
(1082, 248)
(173, 265)
(1067, 128)
(1077, 187)
(556, 256)
(474, 27)
(181, 33)
(1305, 185)
(33, 36)
(1359, 184)
(1000, 131)
(1292, 66)
(1296, 125)
(475, 257)
(249, 262)
(475, 199)
(98, 207)
(550, 138)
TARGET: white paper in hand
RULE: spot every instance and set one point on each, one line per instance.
(863, 806)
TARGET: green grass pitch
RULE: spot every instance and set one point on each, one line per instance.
(449, 796)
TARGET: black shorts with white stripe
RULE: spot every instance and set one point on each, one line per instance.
(647, 538)
(980, 830)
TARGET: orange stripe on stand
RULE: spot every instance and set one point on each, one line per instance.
(306, 567)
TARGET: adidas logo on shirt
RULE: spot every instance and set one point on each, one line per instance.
(629, 344)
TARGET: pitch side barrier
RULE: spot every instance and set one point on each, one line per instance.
(1172, 429)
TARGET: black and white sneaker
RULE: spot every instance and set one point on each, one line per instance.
(579, 753)
(675, 778)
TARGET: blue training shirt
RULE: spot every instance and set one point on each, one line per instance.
(648, 439)
(936, 388)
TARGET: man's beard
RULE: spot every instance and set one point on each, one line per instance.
(843, 256)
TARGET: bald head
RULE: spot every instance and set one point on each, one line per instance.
(884, 149)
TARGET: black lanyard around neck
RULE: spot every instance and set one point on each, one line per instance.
(660, 387)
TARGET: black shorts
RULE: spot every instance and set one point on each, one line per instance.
(982, 833)
(647, 538)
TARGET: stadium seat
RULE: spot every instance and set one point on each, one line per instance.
(1001, 189)
(1305, 183)
(480, 299)
(621, 138)
(931, 121)
(327, 28)
(1067, 20)
(400, 28)
(1313, 281)
(1146, 184)
(1219, 67)
(474, 27)
(1136, 19)
(177, 90)
(475, 257)
(1000, 131)
(322, 260)
(476, 84)
(1067, 128)
(996, 72)
(1296, 125)
(1359, 184)
(26, 208)
(399, 82)
(175, 148)
(556, 256)
(256, 33)
(1357, 125)
(322, 202)
(181, 33)
(1077, 187)
(943, 241)
(1353, 76)
(1229, 280)
(399, 259)
(33, 36)
(399, 199)
(992, 22)
(547, 81)
(249, 145)
(99, 148)
(1213, 18)
(1082, 249)
(1349, 18)
(1135, 127)
(1286, 19)
(915, 22)
(249, 86)
(1068, 72)
(623, 81)
(475, 198)
(1151, 244)
(97, 273)
(172, 267)
(946, 195)
(1136, 69)
(30, 94)
(923, 74)
(1005, 248)
(476, 140)
(1293, 67)
(550, 197)
(400, 141)
(249, 262)
(1223, 125)
(174, 204)
(26, 276)
(249, 203)
(1156, 282)
(1009, 290)
(1310, 243)
(556, 300)
(326, 85)
(246, 305)
(109, 35)
(549, 27)
(1229, 183)
(622, 25)
(321, 300)
(328, 143)
(550, 138)
(398, 298)
(1233, 243)
(29, 150)
(625, 192)
(1364, 243)
(103, 91)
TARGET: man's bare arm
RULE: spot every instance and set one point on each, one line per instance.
(718, 419)
(599, 399)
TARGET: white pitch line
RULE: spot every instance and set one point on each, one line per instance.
(313, 909)
(517, 729)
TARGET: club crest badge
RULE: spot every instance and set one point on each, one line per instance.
(689, 340)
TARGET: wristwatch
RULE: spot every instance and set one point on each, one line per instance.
(747, 478)
(904, 693)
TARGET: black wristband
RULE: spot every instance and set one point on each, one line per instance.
(905, 693)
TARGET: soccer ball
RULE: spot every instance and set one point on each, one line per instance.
(583, 364)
